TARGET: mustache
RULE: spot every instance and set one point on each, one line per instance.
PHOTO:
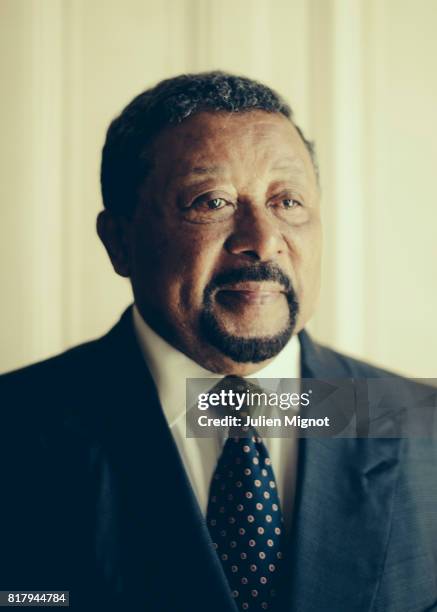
(263, 271)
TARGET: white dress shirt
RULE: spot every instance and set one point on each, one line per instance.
(170, 368)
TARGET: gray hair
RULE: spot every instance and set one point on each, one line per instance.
(125, 162)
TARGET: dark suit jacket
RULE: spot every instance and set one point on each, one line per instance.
(95, 500)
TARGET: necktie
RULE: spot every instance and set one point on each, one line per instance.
(245, 521)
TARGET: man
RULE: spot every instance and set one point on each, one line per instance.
(212, 210)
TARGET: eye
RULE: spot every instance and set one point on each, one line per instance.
(288, 209)
(207, 209)
(289, 203)
(214, 204)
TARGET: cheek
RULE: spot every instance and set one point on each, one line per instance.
(178, 262)
(198, 257)
(306, 247)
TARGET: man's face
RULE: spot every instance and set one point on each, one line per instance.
(225, 242)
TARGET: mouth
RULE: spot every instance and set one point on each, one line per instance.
(250, 293)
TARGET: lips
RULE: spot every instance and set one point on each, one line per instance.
(250, 293)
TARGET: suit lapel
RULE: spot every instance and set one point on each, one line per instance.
(162, 537)
(342, 513)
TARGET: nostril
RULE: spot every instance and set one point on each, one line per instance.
(253, 255)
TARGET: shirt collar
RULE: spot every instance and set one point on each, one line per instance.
(170, 367)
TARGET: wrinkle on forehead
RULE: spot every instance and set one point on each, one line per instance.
(294, 165)
(210, 145)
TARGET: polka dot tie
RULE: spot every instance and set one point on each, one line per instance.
(245, 521)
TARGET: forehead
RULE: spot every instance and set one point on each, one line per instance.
(217, 142)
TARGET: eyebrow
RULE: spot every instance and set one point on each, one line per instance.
(289, 163)
(202, 170)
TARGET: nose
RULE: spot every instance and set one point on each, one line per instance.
(256, 236)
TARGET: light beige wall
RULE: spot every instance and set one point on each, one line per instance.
(361, 77)
(401, 162)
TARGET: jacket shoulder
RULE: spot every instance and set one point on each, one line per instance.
(67, 364)
(322, 361)
(357, 368)
(74, 387)
(56, 393)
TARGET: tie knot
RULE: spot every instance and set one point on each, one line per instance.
(241, 388)
(242, 399)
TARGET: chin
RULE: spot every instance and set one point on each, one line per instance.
(248, 339)
(241, 348)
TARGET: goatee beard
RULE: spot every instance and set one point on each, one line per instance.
(237, 348)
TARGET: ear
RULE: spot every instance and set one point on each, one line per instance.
(113, 231)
